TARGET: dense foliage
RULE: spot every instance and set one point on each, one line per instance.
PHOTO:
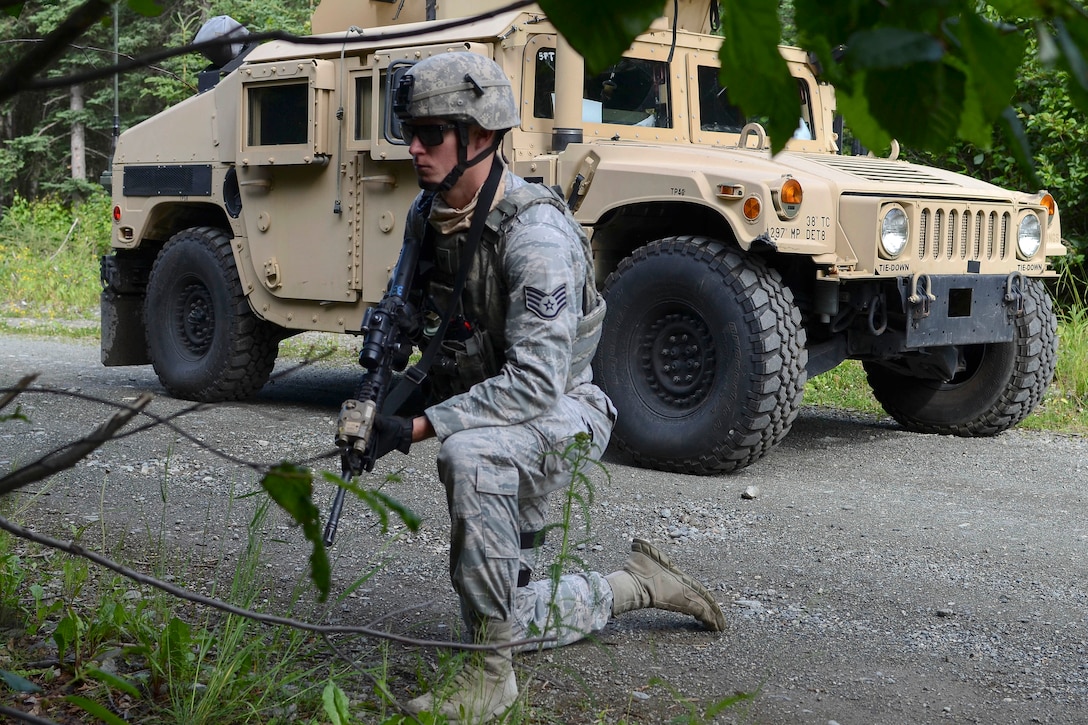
(1059, 140)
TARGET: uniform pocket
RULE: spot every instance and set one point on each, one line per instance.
(496, 525)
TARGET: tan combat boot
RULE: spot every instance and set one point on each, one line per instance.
(483, 690)
(649, 579)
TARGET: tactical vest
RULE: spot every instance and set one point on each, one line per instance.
(475, 344)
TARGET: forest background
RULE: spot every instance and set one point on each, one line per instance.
(55, 144)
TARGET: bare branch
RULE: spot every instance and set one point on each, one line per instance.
(71, 454)
(74, 548)
(24, 716)
(21, 76)
(19, 387)
(18, 77)
(168, 422)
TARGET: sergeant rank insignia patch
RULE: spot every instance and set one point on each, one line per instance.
(546, 305)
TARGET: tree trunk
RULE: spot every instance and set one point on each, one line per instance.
(79, 148)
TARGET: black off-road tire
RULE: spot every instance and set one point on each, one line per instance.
(204, 341)
(1002, 384)
(703, 353)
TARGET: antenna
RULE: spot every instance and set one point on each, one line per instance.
(106, 178)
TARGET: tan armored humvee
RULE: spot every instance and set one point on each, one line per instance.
(273, 202)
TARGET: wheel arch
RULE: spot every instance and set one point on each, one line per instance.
(622, 230)
(166, 219)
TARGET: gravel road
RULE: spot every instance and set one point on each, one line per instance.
(877, 576)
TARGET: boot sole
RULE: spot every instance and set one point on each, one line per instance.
(641, 546)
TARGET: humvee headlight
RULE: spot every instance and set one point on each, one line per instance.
(894, 232)
(1029, 236)
(787, 200)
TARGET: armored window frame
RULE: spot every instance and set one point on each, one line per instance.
(361, 120)
(272, 92)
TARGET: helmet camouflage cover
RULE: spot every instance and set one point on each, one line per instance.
(459, 86)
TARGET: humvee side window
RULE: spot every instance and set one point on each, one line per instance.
(544, 93)
(633, 92)
(716, 112)
(364, 107)
(278, 114)
(388, 88)
(804, 126)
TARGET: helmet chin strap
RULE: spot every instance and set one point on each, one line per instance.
(463, 161)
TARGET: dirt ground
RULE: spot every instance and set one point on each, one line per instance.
(878, 576)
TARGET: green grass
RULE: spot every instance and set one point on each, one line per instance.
(49, 258)
(1064, 408)
(843, 387)
(137, 654)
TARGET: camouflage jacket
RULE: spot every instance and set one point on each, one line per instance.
(539, 266)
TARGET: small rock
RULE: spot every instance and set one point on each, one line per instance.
(639, 695)
(945, 612)
(750, 493)
(666, 513)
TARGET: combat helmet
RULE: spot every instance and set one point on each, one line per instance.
(462, 87)
(459, 86)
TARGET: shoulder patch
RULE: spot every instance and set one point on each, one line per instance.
(546, 305)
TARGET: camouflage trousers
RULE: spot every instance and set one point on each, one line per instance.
(497, 483)
(567, 609)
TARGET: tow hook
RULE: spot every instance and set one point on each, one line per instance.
(1014, 292)
(921, 295)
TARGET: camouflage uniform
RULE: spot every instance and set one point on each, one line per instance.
(524, 297)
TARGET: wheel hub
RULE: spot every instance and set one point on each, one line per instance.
(676, 354)
(195, 320)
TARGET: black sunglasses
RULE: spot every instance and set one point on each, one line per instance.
(428, 134)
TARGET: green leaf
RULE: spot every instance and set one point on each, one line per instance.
(601, 31)
(754, 71)
(174, 644)
(383, 503)
(291, 487)
(1021, 146)
(147, 8)
(855, 109)
(65, 634)
(920, 105)
(993, 58)
(117, 683)
(380, 503)
(336, 704)
(96, 709)
(18, 682)
(1074, 59)
(883, 48)
(1015, 8)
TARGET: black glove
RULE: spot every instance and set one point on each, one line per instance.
(391, 433)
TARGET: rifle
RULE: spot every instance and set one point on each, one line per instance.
(387, 332)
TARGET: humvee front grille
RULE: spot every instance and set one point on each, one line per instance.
(951, 233)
